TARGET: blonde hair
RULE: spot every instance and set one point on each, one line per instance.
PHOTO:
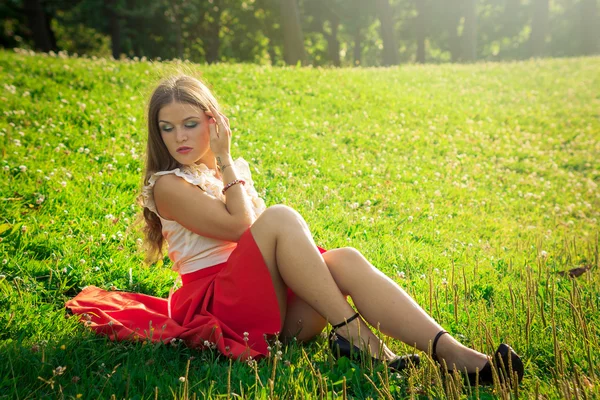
(181, 89)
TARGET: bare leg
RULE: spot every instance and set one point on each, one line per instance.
(302, 321)
(294, 261)
(383, 303)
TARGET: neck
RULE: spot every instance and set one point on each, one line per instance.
(208, 160)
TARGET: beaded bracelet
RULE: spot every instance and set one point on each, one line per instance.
(230, 184)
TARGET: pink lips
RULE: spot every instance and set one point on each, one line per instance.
(184, 150)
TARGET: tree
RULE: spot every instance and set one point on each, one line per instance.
(325, 18)
(114, 17)
(469, 34)
(421, 29)
(589, 27)
(390, 44)
(539, 27)
(293, 42)
(357, 19)
(38, 21)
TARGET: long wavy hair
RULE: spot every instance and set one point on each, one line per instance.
(180, 89)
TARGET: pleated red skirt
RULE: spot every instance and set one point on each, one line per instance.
(230, 306)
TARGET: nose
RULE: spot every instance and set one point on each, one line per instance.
(180, 135)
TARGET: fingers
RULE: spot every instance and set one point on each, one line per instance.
(219, 117)
(212, 128)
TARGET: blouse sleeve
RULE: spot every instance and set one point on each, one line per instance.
(148, 190)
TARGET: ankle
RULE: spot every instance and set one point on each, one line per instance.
(459, 357)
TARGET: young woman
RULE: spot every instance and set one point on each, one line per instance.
(248, 272)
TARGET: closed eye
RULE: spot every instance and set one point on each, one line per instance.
(165, 128)
(191, 124)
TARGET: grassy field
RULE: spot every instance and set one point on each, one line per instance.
(475, 187)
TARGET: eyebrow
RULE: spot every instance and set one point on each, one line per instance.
(185, 119)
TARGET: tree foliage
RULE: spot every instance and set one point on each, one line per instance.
(327, 32)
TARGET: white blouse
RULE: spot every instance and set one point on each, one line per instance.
(189, 251)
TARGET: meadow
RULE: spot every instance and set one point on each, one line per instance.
(475, 187)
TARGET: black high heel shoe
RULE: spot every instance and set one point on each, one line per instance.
(505, 362)
(341, 347)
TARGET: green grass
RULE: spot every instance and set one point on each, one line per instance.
(477, 183)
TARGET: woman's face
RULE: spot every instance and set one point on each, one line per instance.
(184, 130)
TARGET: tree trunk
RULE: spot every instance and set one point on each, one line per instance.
(38, 23)
(333, 43)
(421, 30)
(589, 27)
(357, 46)
(293, 41)
(179, 34)
(539, 27)
(469, 35)
(214, 41)
(115, 28)
(390, 45)
(452, 20)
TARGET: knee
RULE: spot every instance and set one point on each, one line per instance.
(345, 257)
(281, 214)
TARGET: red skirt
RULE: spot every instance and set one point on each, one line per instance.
(230, 306)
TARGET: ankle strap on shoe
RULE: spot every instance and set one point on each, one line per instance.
(352, 318)
(434, 346)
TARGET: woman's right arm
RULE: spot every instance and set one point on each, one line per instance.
(185, 203)
(180, 201)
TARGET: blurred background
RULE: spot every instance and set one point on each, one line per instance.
(310, 32)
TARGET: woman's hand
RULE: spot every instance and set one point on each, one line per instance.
(220, 133)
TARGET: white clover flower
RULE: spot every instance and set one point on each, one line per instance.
(182, 379)
(59, 370)
(6, 168)
(410, 218)
(24, 228)
(544, 254)
(22, 168)
(444, 281)
(423, 276)
(63, 184)
(402, 275)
